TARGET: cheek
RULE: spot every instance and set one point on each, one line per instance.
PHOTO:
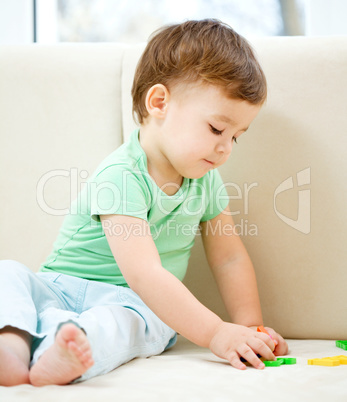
(193, 148)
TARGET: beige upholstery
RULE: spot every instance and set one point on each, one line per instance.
(64, 108)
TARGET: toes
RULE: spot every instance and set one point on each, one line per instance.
(70, 333)
(77, 343)
(83, 354)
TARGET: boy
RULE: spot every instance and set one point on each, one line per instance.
(111, 289)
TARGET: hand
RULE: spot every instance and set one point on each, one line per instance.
(281, 348)
(233, 341)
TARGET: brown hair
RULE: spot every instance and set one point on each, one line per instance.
(206, 50)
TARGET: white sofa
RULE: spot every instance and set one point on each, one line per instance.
(64, 108)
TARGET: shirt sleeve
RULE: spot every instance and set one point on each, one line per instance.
(218, 196)
(118, 190)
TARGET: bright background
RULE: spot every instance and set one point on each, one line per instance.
(53, 21)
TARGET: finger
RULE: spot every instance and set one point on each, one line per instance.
(282, 348)
(234, 360)
(259, 346)
(266, 339)
(273, 334)
(247, 353)
(263, 330)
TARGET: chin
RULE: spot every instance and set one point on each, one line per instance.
(196, 172)
(196, 175)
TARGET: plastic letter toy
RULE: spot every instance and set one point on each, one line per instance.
(342, 358)
(273, 363)
(328, 361)
(289, 360)
(341, 344)
(323, 362)
(280, 361)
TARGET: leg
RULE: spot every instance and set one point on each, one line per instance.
(121, 328)
(118, 325)
(14, 356)
(65, 353)
(116, 335)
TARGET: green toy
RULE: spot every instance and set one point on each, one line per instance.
(280, 361)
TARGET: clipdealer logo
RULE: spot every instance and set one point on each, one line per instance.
(303, 221)
(303, 178)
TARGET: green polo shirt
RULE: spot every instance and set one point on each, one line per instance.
(121, 185)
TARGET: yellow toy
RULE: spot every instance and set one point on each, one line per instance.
(328, 361)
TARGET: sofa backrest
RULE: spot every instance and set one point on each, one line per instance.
(64, 108)
(60, 115)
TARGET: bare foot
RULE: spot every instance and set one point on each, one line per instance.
(67, 359)
(13, 370)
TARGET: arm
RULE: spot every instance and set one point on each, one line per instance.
(232, 270)
(171, 301)
(234, 274)
(163, 293)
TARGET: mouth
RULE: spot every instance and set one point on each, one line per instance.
(209, 162)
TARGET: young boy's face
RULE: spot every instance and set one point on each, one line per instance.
(200, 126)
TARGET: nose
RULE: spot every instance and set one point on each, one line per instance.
(224, 147)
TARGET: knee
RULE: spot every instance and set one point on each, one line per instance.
(12, 266)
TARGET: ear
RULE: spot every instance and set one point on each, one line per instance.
(157, 99)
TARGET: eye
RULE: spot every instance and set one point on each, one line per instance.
(235, 140)
(215, 131)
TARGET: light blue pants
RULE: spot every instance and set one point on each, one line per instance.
(119, 326)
